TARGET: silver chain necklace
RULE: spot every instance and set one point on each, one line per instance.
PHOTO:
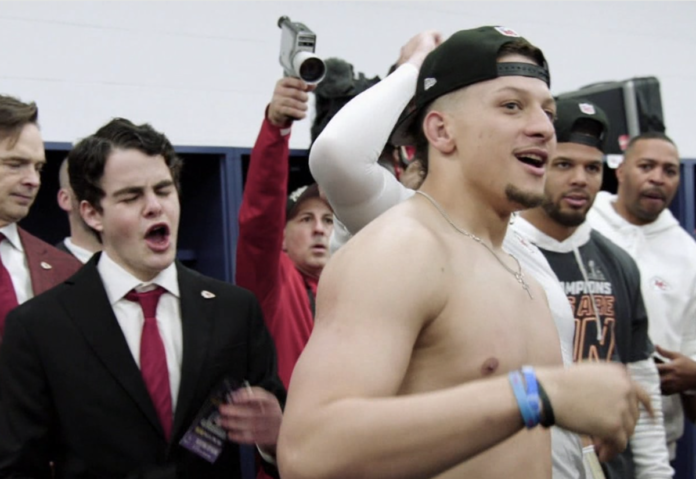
(517, 274)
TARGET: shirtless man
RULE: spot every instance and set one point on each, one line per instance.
(412, 381)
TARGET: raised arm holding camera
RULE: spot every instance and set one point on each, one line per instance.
(283, 240)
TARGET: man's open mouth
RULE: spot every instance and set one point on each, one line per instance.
(654, 195)
(537, 160)
(157, 234)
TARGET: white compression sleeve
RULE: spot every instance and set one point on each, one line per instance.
(344, 157)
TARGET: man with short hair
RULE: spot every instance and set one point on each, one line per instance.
(28, 266)
(283, 242)
(82, 242)
(637, 219)
(360, 189)
(106, 373)
(601, 280)
(414, 380)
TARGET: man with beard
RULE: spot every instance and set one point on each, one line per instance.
(637, 219)
(415, 380)
(360, 190)
(601, 281)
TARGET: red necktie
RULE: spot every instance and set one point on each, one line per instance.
(153, 359)
(8, 298)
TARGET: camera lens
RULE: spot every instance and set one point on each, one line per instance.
(312, 70)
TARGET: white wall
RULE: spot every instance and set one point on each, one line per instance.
(203, 71)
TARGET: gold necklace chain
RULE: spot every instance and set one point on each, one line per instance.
(519, 276)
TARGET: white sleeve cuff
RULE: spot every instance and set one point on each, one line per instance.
(265, 456)
(649, 443)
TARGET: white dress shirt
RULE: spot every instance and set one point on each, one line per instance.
(83, 255)
(129, 314)
(15, 261)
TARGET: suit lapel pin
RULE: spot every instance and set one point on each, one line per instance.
(207, 294)
(45, 265)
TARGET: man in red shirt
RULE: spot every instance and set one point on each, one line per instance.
(283, 240)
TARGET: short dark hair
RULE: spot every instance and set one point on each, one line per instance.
(87, 159)
(648, 135)
(518, 46)
(15, 115)
(522, 47)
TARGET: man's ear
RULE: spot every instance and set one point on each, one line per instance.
(436, 130)
(620, 171)
(91, 216)
(64, 200)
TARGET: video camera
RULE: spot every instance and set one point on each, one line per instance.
(297, 43)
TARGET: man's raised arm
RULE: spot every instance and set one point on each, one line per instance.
(262, 213)
(344, 157)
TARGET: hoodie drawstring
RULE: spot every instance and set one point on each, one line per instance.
(600, 327)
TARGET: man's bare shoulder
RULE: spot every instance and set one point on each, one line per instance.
(405, 231)
(398, 257)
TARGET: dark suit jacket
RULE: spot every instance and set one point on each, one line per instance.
(47, 265)
(72, 393)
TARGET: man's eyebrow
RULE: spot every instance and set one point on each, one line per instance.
(23, 159)
(129, 190)
(549, 101)
(163, 184)
(655, 160)
(649, 159)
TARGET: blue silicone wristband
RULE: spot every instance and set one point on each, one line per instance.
(528, 416)
(532, 391)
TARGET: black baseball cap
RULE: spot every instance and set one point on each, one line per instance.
(581, 121)
(467, 57)
(297, 197)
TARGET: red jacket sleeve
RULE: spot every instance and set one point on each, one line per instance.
(262, 213)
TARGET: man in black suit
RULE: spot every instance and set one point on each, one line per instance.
(105, 387)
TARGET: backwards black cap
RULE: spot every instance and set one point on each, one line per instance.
(581, 121)
(467, 57)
